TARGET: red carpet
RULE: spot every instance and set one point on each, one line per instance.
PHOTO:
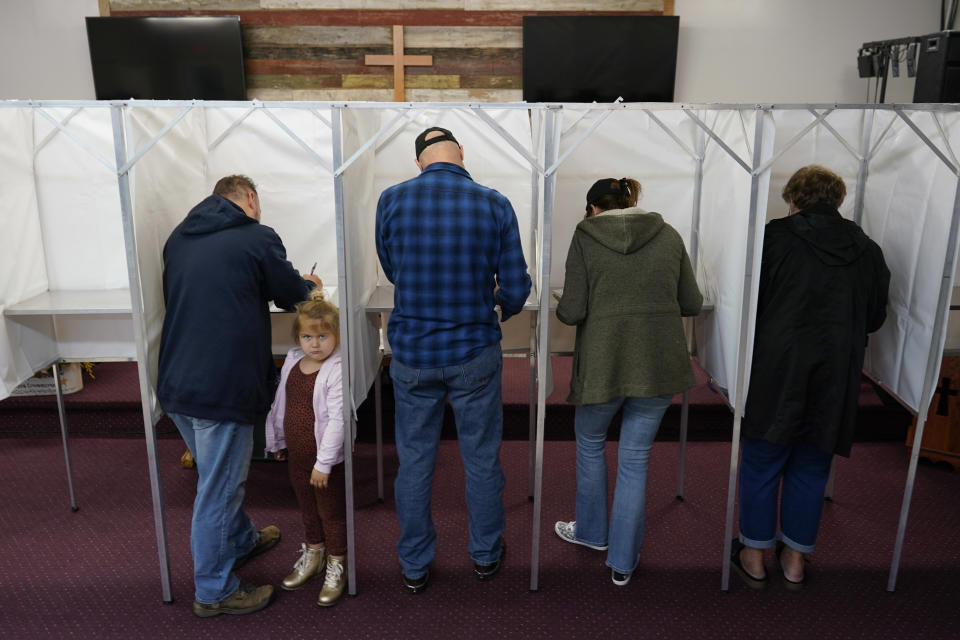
(94, 574)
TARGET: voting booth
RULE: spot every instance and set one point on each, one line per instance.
(94, 189)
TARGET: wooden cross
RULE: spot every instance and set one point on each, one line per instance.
(398, 61)
(943, 407)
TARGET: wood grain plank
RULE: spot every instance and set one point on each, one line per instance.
(345, 60)
(491, 82)
(432, 82)
(290, 81)
(300, 36)
(563, 5)
(367, 81)
(464, 37)
(322, 95)
(352, 17)
(464, 95)
(180, 5)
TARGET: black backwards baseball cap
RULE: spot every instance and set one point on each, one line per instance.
(422, 143)
(605, 187)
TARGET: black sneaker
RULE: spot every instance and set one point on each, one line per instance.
(416, 585)
(487, 571)
(620, 579)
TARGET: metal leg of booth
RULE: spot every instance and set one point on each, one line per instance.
(66, 437)
(378, 398)
(682, 456)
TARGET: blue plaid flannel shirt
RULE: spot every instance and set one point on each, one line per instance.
(445, 241)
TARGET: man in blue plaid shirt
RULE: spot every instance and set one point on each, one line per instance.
(451, 247)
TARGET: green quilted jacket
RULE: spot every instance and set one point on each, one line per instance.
(628, 282)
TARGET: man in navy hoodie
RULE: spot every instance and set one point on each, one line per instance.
(221, 270)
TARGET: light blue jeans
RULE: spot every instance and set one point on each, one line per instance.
(624, 535)
(220, 531)
(420, 394)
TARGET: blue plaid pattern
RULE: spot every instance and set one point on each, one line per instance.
(445, 242)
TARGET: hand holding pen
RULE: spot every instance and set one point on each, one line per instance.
(312, 278)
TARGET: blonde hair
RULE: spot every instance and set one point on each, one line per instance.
(318, 308)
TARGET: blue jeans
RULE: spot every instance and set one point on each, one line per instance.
(474, 391)
(804, 470)
(641, 420)
(220, 531)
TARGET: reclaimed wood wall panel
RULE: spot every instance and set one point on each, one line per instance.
(315, 49)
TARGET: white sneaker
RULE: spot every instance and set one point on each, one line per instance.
(568, 532)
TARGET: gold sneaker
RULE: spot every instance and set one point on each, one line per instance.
(334, 583)
(246, 599)
(309, 564)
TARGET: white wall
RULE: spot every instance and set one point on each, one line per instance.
(43, 44)
(729, 51)
(790, 51)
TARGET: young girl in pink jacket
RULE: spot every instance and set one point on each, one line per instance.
(306, 420)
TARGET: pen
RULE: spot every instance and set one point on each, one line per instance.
(313, 268)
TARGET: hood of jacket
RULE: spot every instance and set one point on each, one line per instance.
(834, 240)
(623, 230)
(214, 213)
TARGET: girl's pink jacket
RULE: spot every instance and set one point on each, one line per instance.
(327, 409)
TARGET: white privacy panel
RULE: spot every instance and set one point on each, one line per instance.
(725, 238)
(78, 200)
(907, 211)
(834, 141)
(359, 208)
(295, 185)
(22, 263)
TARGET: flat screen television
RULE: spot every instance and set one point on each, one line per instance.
(599, 58)
(182, 58)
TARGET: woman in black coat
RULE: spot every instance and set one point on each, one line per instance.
(823, 288)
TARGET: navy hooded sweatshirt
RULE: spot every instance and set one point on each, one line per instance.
(221, 270)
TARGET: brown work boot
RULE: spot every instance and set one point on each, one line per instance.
(246, 599)
(267, 538)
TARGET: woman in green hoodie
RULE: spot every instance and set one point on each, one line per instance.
(628, 283)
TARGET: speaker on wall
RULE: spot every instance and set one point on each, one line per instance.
(599, 58)
(938, 68)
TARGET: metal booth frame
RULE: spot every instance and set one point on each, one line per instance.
(544, 159)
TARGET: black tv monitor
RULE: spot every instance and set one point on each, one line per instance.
(599, 58)
(167, 58)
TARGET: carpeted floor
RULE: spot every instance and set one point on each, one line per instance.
(109, 405)
(94, 573)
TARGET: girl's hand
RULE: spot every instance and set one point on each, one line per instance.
(280, 455)
(318, 479)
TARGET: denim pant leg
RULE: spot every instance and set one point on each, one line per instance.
(590, 425)
(761, 468)
(641, 420)
(419, 396)
(801, 499)
(220, 530)
(475, 395)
